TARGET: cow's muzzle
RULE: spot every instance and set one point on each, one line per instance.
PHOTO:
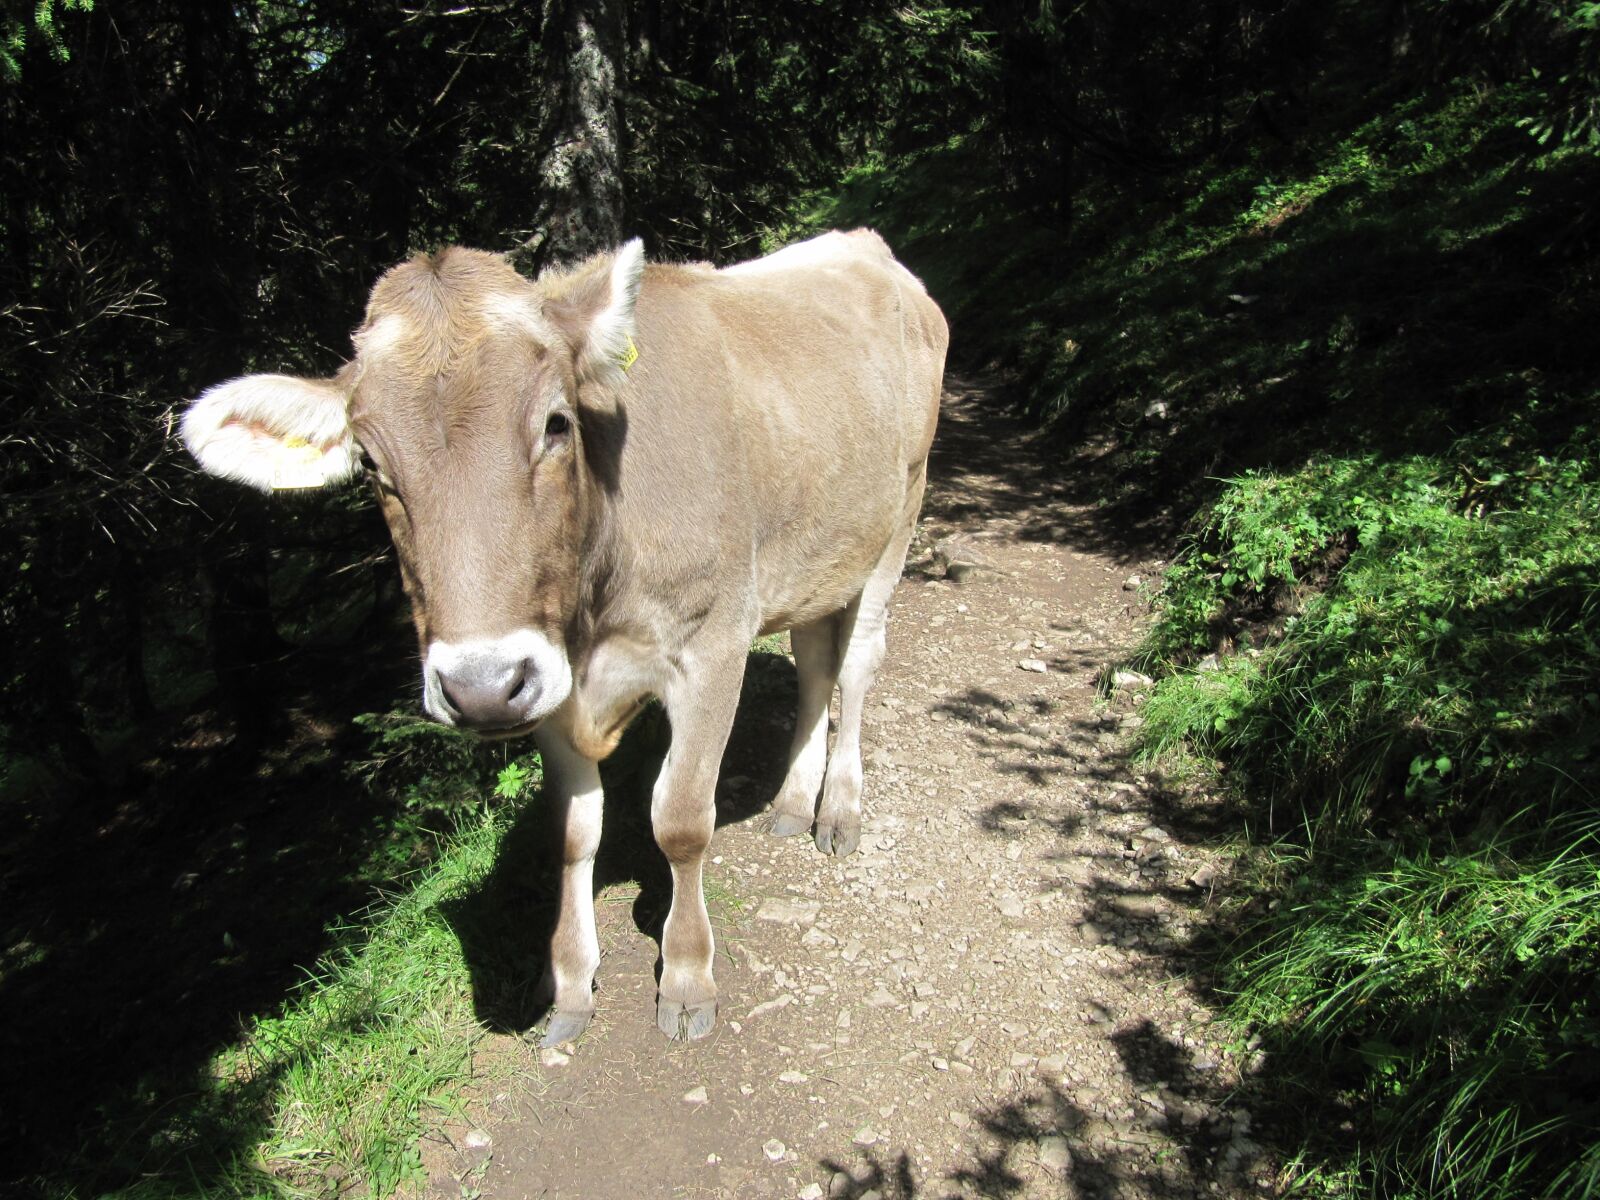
(495, 685)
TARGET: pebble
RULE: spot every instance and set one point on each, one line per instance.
(1137, 906)
(811, 1191)
(476, 1139)
(551, 1057)
(784, 910)
(793, 1077)
(865, 1136)
(840, 1185)
(774, 1149)
(1037, 665)
(696, 1095)
(767, 1006)
(1010, 906)
(1054, 1154)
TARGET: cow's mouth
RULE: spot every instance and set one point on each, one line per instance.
(504, 733)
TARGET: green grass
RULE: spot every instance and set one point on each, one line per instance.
(1409, 706)
(336, 1089)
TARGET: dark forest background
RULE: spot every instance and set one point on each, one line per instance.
(1354, 245)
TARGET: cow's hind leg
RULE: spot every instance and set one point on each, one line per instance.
(861, 646)
(816, 662)
(572, 782)
(683, 815)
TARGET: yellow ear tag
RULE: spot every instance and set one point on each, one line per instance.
(629, 356)
(299, 466)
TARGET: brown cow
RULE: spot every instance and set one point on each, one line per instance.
(602, 485)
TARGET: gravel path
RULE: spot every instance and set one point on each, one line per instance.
(992, 997)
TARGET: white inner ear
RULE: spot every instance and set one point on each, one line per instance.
(611, 330)
(272, 432)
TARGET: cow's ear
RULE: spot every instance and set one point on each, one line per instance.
(593, 309)
(272, 432)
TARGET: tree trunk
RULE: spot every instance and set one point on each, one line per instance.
(580, 175)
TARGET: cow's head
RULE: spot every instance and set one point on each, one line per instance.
(465, 405)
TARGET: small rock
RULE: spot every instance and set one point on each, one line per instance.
(865, 1136)
(1037, 665)
(1137, 906)
(1054, 1154)
(774, 1149)
(476, 1139)
(1010, 906)
(696, 1095)
(793, 1077)
(784, 910)
(769, 1006)
(1130, 680)
(811, 1191)
(840, 1185)
(882, 997)
(1204, 876)
(815, 938)
(551, 1057)
(1053, 1064)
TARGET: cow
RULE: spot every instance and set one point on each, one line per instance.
(602, 484)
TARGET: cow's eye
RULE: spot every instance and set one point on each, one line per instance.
(368, 463)
(556, 426)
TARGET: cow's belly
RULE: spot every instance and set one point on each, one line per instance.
(812, 576)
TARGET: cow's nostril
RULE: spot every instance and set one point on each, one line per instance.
(489, 698)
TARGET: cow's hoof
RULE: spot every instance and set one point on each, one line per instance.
(787, 825)
(565, 1027)
(685, 1024)
(838, 840)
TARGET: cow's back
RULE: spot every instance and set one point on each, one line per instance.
(779, 418)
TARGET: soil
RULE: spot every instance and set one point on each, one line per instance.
(995, 996)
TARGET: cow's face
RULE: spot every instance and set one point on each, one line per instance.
(464, 407)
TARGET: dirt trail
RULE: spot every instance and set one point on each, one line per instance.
(992, 997)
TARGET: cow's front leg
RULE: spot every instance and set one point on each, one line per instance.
(683, 813)
(572, 787)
